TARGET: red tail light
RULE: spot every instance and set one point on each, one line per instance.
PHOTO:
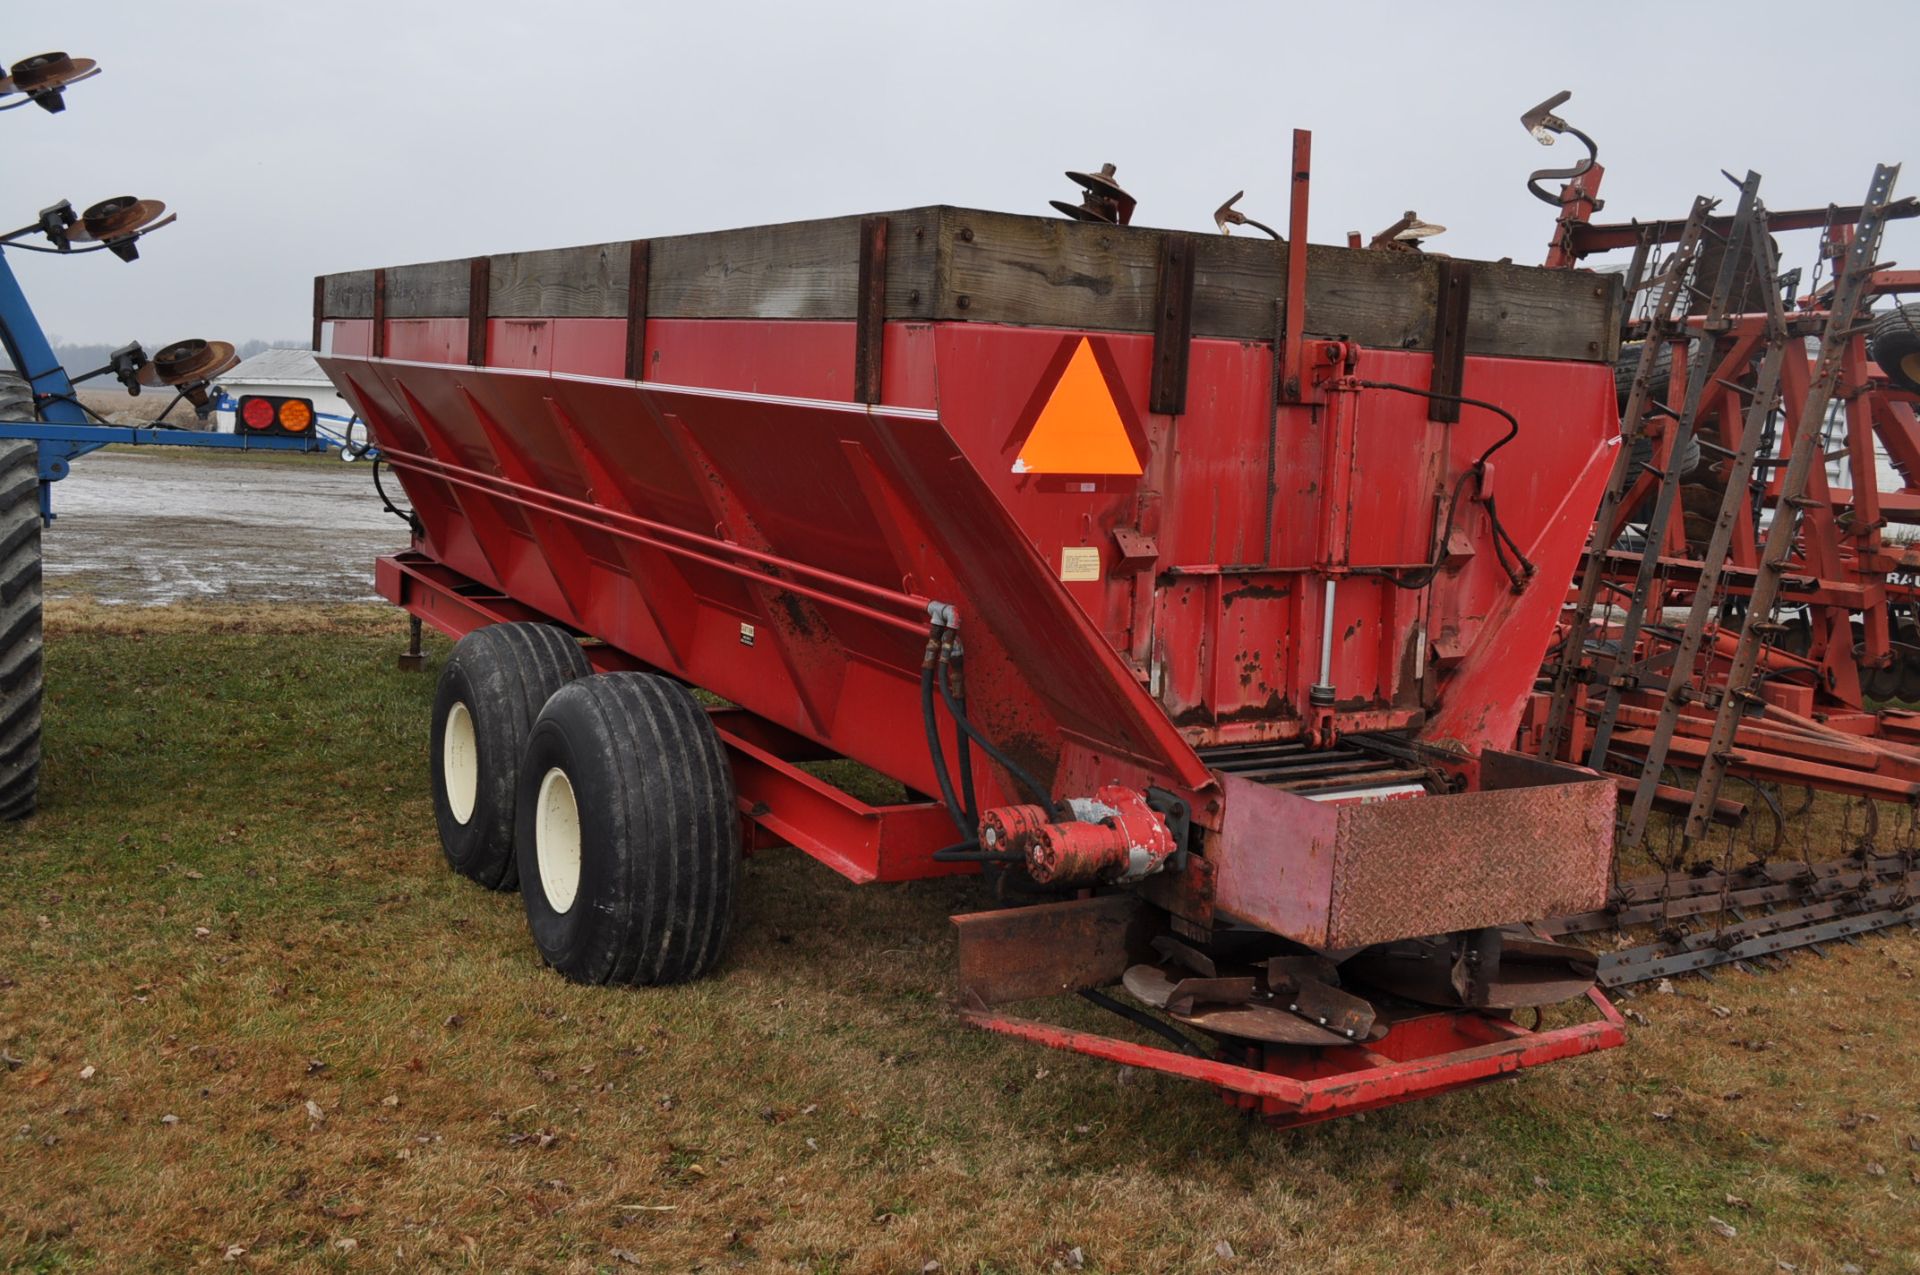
(283, 416)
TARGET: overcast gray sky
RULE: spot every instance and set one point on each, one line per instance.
(298, 139)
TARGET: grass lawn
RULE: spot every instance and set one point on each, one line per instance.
(250, 1020)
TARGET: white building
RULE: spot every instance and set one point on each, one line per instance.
(283, 374)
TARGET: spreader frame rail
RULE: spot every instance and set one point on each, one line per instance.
(1351, 1078)
(780, 802)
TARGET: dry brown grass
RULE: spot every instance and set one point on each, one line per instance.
(121, 408)
(234, 907)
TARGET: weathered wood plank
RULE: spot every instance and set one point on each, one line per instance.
(349, 295)
(429, 290)
(997, 267)
(1381, 299)
(966, 265)
(588, 282)
(1048, 271)
(1529, 312)
(801, 270)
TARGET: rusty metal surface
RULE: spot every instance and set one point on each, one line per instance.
(45, 76)
(1102, 199)
(45, 71)
(116, 218)
(1486, 969)
(1437, 864)
(1345, 876)
(1340, 1012)
(1274, 860)
(1185, 954)
(1262, 1023)
(1049, 948)
(1222, 1006)
(189, 360)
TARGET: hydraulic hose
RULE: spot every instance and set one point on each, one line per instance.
(405, 515)
(1033, 786)
(932, 726)
(1179, 1039)
(964, 747)
(970, 852)
(1525, 568)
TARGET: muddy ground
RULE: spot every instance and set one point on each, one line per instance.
(150, 530)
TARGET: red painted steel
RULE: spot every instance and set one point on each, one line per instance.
(1859, 592)
(794, 580)
(780, 803)
(1368, 871)
(1420, 1057)
(733, 520)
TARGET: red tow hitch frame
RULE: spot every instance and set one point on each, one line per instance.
(1421, 1056)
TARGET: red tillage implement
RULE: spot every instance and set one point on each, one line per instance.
(1240, 588)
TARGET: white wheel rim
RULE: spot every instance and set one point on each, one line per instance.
(556, 839)
(460, 763)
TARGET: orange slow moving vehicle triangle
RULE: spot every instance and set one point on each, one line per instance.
(1079, 431)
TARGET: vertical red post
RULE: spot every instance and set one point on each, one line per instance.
(1295, 365)
(379, 348)
(1579, 200)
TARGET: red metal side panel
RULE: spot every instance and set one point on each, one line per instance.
(351, 336)
(781, 552)
(803, 358)
(1336, 876)
(1216, 618)
(1547, 485)
(1222, 620)
(583, 347)
(427, 340)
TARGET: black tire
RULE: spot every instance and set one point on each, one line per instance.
(1894, 343)
(1907, 685)
(493, 687)
(22, 676)
(1627, 365)
(1881, 684)
(1624, 370)
(643, 893)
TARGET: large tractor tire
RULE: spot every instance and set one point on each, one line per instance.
(1627, 366)
(21, 673)
(494, 685)
(1894, 343)
(628, 839)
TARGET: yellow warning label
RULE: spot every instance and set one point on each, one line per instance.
(1079, 431)
(1079, 562)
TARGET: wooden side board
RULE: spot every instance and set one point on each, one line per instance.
(964, 265)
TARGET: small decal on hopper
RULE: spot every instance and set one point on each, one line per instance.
(1079, 562)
